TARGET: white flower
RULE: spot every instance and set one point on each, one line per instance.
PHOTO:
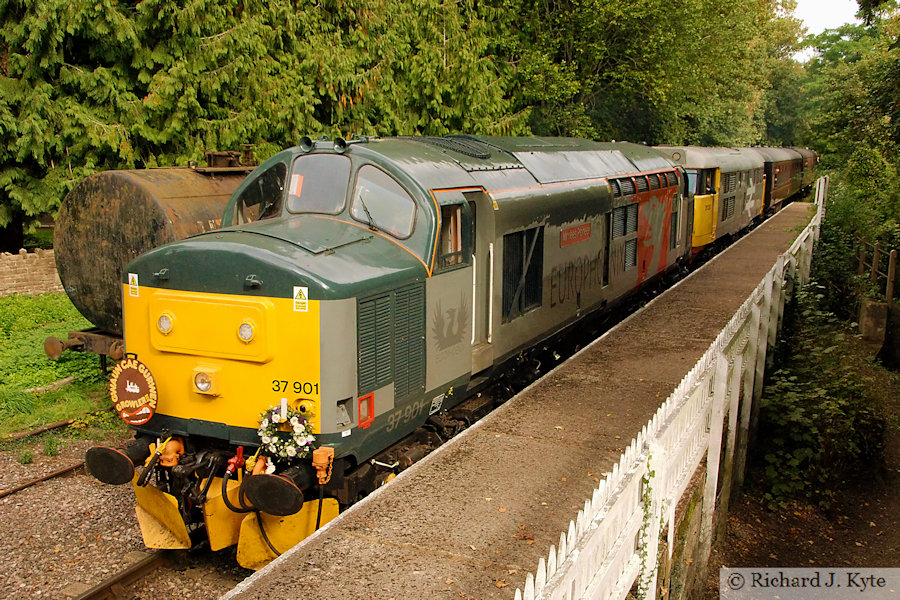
(270, 467)
(291, 451)
(295, 421)
(266, 439)
(263, 424)
(310, 439)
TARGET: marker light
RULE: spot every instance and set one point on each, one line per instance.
(164, 323)
(202, 381)
(246, 331)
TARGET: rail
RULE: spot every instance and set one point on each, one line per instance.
(875, 266)
(614, 541)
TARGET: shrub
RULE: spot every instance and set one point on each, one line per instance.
(820, 427)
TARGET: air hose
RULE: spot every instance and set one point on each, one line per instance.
(323, 461)
(151, 465)
(235, 463)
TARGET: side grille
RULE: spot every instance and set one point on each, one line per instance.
(391, 341)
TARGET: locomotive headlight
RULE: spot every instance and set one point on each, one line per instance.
(246, 331)
(165, 322)
(206, 380)
(203, 381)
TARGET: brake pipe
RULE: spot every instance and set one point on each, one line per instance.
(151, 464)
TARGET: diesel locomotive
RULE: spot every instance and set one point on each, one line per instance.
(283, 365)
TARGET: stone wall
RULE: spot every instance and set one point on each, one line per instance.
(28, 273)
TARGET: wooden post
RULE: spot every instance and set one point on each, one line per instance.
(875, 258)
(892, 272)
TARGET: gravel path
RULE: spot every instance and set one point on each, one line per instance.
(61, 537)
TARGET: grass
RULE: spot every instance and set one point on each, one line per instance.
(25, 321)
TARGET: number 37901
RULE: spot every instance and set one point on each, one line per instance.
(297, 387)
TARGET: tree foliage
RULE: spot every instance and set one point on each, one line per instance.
(851, 107)
(86, 86)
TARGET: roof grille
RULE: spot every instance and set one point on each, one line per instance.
(468, 147)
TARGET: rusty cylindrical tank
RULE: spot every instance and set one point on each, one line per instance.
(110, 218)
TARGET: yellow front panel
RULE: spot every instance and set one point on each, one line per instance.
(281, 360)
(705, 214)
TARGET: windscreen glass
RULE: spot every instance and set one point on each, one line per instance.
(382, 203)
(318, 183)
(692, 181)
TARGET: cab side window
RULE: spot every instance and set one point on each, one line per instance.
(263, 197)
(455, 241)
(382, 203)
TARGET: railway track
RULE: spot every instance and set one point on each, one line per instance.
(48, 476)
(117, 586)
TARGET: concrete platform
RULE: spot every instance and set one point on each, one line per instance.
(475, 516)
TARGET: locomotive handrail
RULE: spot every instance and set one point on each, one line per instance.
(598, 557)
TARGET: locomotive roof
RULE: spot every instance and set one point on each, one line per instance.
(728, 159)
(435, 161)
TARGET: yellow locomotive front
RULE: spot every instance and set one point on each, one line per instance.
(202, 373)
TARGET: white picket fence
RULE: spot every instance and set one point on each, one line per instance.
(615, 538)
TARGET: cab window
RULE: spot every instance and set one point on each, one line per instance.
(692, 181)
(262, 199)
(381, 203)
(318, 184)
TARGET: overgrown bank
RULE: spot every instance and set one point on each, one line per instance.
(823, 413)
(825, 486)
(824, 480)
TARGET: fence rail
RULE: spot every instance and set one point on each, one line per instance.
(614, 540)
(876, 265)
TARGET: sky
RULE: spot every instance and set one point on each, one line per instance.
(819, 15)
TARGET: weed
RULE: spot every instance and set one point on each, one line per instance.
(26, 457)
(51, 445)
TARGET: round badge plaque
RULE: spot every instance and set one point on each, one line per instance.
(133, 391)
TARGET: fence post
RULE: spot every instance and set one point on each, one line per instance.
(713, 454)
(762, 347)
(892, 272)
(749, 368)
(776, 306)
(735, 383)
